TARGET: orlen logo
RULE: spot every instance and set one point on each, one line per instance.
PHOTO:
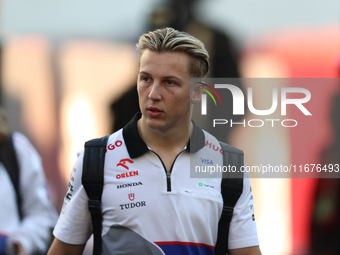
(127, 175)
(112, 146)
(122, 163)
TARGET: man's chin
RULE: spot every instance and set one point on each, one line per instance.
(155, 124)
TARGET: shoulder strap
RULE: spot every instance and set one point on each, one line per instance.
(93, 182)
(231, 189)
(9, 158)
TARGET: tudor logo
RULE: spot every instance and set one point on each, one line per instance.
(132, 205)
(132, 196)
(122, 163)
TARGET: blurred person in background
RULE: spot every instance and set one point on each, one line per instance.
(26, 215)
(325, 225)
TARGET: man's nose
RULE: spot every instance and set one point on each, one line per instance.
(155, 91)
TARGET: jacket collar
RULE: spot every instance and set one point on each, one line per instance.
(136, 146)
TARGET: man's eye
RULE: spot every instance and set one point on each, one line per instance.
(169, 82)
(145, 79)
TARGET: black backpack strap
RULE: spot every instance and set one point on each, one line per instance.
(93, 182)
(8, 158)
(231, 189)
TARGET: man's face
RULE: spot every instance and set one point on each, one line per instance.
(164, 89)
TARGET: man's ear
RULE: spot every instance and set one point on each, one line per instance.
(197, 93)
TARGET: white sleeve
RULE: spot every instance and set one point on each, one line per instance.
(74, 223)
(39, 215)
(243, 232)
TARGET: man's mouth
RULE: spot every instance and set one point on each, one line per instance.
(154, 111)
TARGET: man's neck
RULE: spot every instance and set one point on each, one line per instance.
(167, 140)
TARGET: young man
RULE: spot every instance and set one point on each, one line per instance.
(150, 205)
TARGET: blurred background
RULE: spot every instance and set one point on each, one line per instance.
(68, 74)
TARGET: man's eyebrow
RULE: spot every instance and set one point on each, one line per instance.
(174, 77)
(143, 72)
(165, 77)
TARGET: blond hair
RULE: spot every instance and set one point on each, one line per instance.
(169, 39)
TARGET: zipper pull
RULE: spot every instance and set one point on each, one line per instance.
(168, 181)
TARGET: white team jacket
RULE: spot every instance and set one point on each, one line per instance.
(149, 211)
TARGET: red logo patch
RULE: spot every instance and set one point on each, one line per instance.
(214, 148)
(132, 196)
(126, 175)
(113, 146)
(122, 163)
